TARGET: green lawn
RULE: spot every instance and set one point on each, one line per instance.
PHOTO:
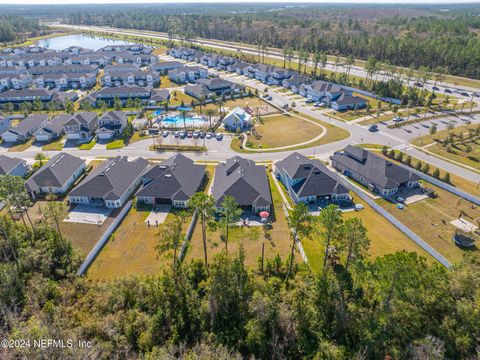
(23, 146)
(88, 146)
(251, 238)
(131, 249)
(430, 219)
(116, 144)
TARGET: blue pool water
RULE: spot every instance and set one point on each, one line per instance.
(88, 42)
(177, 121)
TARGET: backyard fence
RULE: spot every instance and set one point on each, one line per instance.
(441, 184)
(103, 240)
(400, 226)
(188, 236)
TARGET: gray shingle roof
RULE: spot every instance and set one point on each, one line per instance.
(374, 168)
(111, 179)
(244, 180)
(55, 172)
(30, 124)
(7, 164)
(176, 178)
(315, 178)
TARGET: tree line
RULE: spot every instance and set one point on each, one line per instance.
(398, 306)
(448, 41)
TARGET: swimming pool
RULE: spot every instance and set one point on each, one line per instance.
(177, 121)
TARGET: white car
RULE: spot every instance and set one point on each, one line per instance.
(397, 119)
(359, 207)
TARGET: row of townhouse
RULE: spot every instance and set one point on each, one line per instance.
(66, 81)
(17, 82)
(80, 127)
(137, 77)
(132, 48)
(16, 97)
(335, 96)
(187, 74)
(147, 95)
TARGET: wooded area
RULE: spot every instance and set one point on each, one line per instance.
(410, 37)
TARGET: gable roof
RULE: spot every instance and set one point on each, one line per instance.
(176, 178)
(7, 164)
(111, 179)
(314, 178)
(55, 172)
(82, 118)
(29, 124)
(244, 180)
(374, 168)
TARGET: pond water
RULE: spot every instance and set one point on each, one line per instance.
(85, 41)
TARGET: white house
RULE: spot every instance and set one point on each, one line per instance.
(238, 118)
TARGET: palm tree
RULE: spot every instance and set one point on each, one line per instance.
(184, 113)
(220, 104)
(210, 113)
(204, 206)
(40, 157)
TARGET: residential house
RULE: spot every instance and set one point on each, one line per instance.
(4, 123)
(333, 95)
(187, 74)
(141, 78)
(110, 184)
(375, 172)
(90, 59)
(239, 67)
(238, 118)
(174, 181)
(111, 124)
(13, 166)
(81, 127)
(347, 102)
(158, 96)
(52, 129)
(245, 181)
(56, 176)
(294, 82)
(163, 67)
(183, 53)
(25, 129)
(308, 180)
(207, 88)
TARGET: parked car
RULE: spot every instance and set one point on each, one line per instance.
(435, 88)
(165, 133)
(209, 135)
(448, 91)
(196, 135)
(317, 104)
(417, 84)
(464, 93)
(373, 128)
(476, 94)
(219, 137)
(309, 100)
(397, 119)
(182, 135)
(176, 134)
(190, 134)
(202, 135)
(359, 207)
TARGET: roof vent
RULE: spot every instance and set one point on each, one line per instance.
(168, 175)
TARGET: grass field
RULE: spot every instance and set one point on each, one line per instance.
(131, 249)
(82, 236)
(165, 82)
(23, 146)
(250, 238)
(87, 146)
(116, 144)
(430, 219)
(178, 96)
(333, 134)
(458, 153)
(283, 130)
